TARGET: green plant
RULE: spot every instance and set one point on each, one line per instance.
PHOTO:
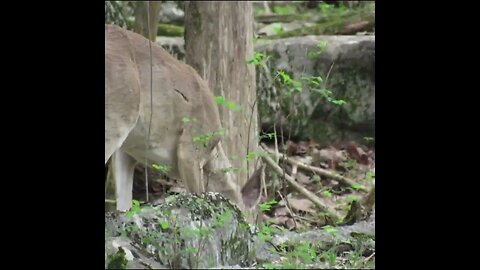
(118, 260)
(135, 208)
(369, 176)
(267, 206)
(351, 198)
(286, 9)
(258, 59)
(327, 193)
(321, 46)
(325, 8)
(277, 28)
(369, 139)
(267, 135)
(349, 164)
(205, 138)
(162, 168)
(229, 104)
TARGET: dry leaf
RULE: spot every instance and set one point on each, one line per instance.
(301, 204)
(280, 220)
(302, 178)
(299, 148)
(290, 223)
(280, 211)
(356, 153)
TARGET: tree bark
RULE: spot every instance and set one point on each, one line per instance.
(218, 42)
(141, 18)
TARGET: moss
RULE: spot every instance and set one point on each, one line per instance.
(170, 30)
(332, 25)
(118, 260)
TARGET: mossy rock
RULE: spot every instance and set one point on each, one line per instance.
(188, 231)
(170, 30)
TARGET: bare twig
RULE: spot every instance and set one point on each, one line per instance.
(335, 176)
(289, 208)
(308, 194)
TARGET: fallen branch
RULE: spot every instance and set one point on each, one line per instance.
(335, 176)
(308, 194)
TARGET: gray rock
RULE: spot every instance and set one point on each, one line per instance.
(352, 78)
(170, 12)
(174, 45)
(273, 28)
(187, 232)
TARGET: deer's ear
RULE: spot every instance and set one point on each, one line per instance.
(251, 191)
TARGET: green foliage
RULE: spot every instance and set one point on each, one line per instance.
(118, 12)
(369, 139)
(321, 46)
(185, 120)
(267, 206)
(267, 135)
(327, 193)
(357, 186)
(330, 256)
(164, 224)
(349, 164)
(135, 208)
(277, 28)
(222, 219)
(351, 198)
(329, 229)
(258, 58)
(229, 104)
(325, 8)
(369, 176)
(162, 168)
(118, 260)
(285, 9)
(205, 138)
(266, 232)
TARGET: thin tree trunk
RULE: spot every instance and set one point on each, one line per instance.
(141, 16)
(218, 42)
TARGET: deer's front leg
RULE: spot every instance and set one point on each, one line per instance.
(122, 167)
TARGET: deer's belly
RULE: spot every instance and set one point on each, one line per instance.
(161, 153)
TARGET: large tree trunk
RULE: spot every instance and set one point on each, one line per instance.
(141, 18)
(218, 42)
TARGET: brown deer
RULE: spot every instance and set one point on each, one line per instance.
(182, 117)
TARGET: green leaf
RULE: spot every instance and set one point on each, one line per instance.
(135, 203)
(231, 105)
(277, 28)
(369, 176)
(250, 156)
(312, 55)
(368, 139)
(156, 166)
(185, 120)
(340, 102)
(352, 198)
(164, 225)
(219, 100)
(357, 186)
(327, 193)
(329, 229)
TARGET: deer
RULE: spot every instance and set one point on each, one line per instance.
(178, 115)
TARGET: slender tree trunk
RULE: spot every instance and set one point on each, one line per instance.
(141, 16)
(218, 42)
